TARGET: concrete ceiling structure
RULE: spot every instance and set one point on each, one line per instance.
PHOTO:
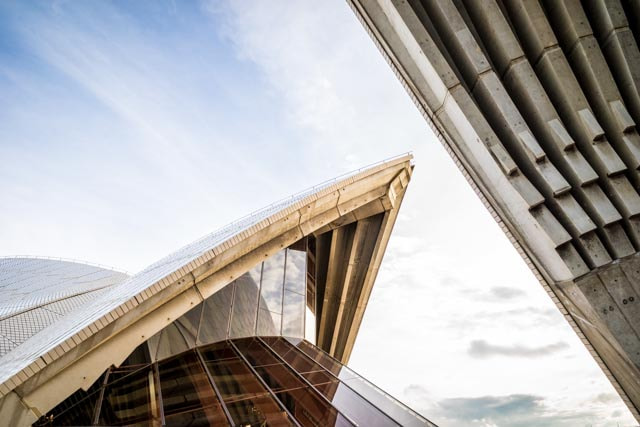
(537, 103)
(349, 218)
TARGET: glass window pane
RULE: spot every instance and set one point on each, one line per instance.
(217, 352)
(295, 278)
(309, 409)
(319, 377)
(272, 283)
(293, 314)
(300, 399)
(292, 356)
(343, 398)
(245, 305)
(323, 359)
(233, 378)
(215, 318)
(255, 352)
(355, 407)
(268, 323)
(258, 411)
(126, 397)
(386, 403)
(185, 387)
(196, 418)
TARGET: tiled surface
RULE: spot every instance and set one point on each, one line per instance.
(36, 292)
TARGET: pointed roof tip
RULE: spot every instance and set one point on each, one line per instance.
(290, 218)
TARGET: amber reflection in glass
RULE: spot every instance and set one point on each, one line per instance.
(186, 388)
(126, 398)
(267, 381)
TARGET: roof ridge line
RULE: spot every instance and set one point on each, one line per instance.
(73, 260)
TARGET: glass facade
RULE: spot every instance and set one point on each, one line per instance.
(243, 357)
(276, 297)
(255, 381)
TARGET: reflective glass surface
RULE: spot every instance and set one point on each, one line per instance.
(268, 300)
(256, 381)
(127, 397)
(342, 397)
(187, 393)
(296, 270)
(214, 322)
(272, 282)
(245, 301)
(392, 407)
(293, 314)
(269, 323)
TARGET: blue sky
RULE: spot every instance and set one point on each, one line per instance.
(130, 129)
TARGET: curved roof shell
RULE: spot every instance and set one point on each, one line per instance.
(71, 352)
(37, 292)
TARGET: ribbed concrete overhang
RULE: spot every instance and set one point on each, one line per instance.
(537, 103)
(361, 208)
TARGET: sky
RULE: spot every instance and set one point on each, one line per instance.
(129, 129)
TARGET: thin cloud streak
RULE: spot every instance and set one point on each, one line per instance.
(482, 349)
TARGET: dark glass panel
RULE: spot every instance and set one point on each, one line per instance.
(323, 359)
(76, 409)
(215, 318)
(293, 314)
(127, 397)
(307, 407)
(268, 323)
(217, 352)
(255, 352)
(355, 407)
(245, 305)
(292, 356)
(185, 387)
(258, 411)
(196, 418)
(139, 356)
(234, 380)
(319, 377)
(296, 271)
(272, 283)
(326, 388)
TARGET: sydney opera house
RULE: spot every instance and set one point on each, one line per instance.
(249, 326)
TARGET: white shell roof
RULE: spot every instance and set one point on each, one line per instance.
(37, 292)
(111, 297)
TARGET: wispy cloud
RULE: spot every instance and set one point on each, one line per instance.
(482, 349)
(505, 293)
(515, 410)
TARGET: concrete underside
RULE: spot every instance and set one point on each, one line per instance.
(537, 102)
